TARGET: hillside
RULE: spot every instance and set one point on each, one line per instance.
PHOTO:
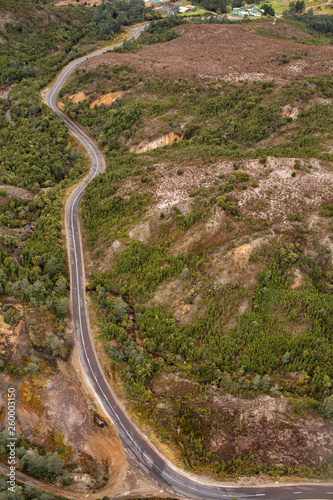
(209, 259)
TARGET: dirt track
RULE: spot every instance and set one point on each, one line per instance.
(228, 51)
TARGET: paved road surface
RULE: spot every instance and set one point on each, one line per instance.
(145, 454)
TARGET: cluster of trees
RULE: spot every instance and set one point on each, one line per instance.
(26, 492)
(299, 6)
(112, 15)
(47, 467)
(28, 48)
(323, 24)
(218, 6)
(40, 274)
(36, 151)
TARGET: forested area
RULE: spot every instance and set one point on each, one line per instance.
(323, 24)
(38, 161)
(40, 39)
(218, 6)
(37, 153)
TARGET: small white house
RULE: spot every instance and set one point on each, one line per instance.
(183, 10)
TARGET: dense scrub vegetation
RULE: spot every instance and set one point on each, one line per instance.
(323, 24)
(37, 153)
(222, 120)
(39, 39)
(36, 149)
(26, 492)
(46, 466)
(261, 343)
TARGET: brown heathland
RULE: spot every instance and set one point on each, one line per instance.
(226, 51)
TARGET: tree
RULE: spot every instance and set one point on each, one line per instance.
(327, 407)
(120, 308)
(264, 383)
(268, 9)
(54, 464)
(256, 382)
(300, 6)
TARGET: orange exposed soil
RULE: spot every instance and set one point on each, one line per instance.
(80, 96)
(162, 141)
(105, 99)
(232, 52)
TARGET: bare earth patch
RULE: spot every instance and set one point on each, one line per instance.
(158, 143)
(79, 97)
(106, 99)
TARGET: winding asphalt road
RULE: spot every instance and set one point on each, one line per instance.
(173, 479)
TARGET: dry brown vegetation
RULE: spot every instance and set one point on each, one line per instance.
(225, 51)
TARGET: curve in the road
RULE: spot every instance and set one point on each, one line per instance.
(133, 440)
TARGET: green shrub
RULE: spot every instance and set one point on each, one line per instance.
(232, 208)
(327, 407)
(242, 176)
(326, 210)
